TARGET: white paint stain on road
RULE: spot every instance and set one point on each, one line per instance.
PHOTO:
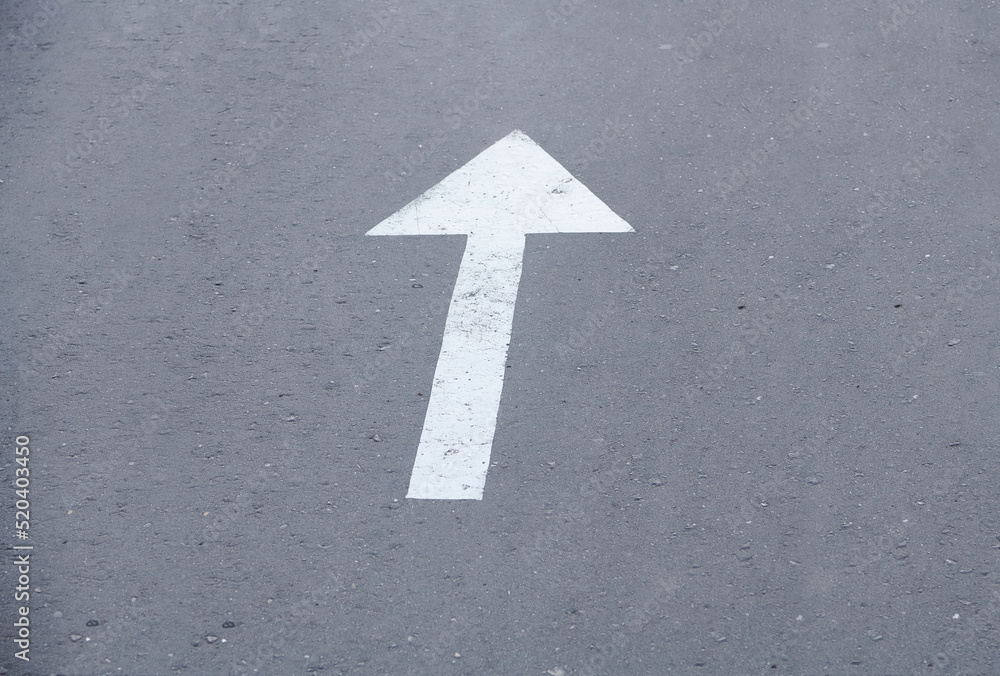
(511, 189)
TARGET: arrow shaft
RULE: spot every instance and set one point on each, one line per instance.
(454, 452)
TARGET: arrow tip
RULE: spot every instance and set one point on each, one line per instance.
(513, 186)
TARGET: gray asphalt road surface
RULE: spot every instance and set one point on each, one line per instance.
(756, 436)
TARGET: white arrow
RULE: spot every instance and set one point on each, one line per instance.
(511, 189)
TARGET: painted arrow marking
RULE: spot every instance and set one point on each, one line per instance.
(511, 189)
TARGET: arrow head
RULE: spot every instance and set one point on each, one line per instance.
(511, 187)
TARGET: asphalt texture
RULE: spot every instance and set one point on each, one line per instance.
(756, 436)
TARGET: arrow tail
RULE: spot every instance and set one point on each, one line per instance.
(455, 445)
